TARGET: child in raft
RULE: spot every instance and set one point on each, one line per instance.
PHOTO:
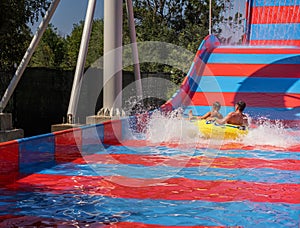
(211, 115)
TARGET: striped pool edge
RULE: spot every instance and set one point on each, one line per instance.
(25, 156)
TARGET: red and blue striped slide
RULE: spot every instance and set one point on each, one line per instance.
(266, 78)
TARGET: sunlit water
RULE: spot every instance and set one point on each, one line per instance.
(169, 175)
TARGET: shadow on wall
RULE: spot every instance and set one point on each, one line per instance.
(42, 97)
(273, 91)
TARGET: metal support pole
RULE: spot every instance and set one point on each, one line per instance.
(81, 61)
(134, 47)
(26, 58)
(112, 91)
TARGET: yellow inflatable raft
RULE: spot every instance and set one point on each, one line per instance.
(213, 130)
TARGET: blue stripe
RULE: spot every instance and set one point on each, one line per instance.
(100, 209)
(276, 2)
(255, 58)
(36, 153)
(295, 87)
(275, 113)
(247, 84)
(265, 175)
(275, 31)
(270, 113)
(166, 151)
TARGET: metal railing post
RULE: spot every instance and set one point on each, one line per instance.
(81, 61)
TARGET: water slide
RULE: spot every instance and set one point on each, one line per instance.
(272, 22)
(264, 71)
(265, 77)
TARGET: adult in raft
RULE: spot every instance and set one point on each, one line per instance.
(237, 117)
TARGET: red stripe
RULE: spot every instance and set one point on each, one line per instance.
(275, 14)
(187, 161)
(68, 137)
(168, 189)
(253, 70)
(67, 153)
(275, 42)
(67, 145)
(142, 225)
(24, 221)
(272, 100)
(225, 145)
(9, 178)
(9, 162)
(112, 131)
(255, 50)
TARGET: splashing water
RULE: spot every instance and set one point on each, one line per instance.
(170, 128)
(174, 128)
(268, 133)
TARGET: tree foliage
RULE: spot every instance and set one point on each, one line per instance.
(95, 44)
(181, 22)
(14, 31)
(51, 50)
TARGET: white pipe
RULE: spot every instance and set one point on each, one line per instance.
(81, 61)
(112, 90)
(26, 58)
(134, 47)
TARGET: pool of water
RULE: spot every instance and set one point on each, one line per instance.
(150, 181)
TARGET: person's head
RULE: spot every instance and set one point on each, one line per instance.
(241, 105)
(216, 106)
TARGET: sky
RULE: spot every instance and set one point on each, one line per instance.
(69, 12)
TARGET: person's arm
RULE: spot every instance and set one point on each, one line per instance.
(206, 115)
(220, 116)
(224, 120)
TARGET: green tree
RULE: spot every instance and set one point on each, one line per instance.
(184, 23)
(96, 43)
(50, 51)
(14, 31)
(73, 44)
(73, 41)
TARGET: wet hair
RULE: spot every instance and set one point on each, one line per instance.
(241, 105)
(217, 105)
